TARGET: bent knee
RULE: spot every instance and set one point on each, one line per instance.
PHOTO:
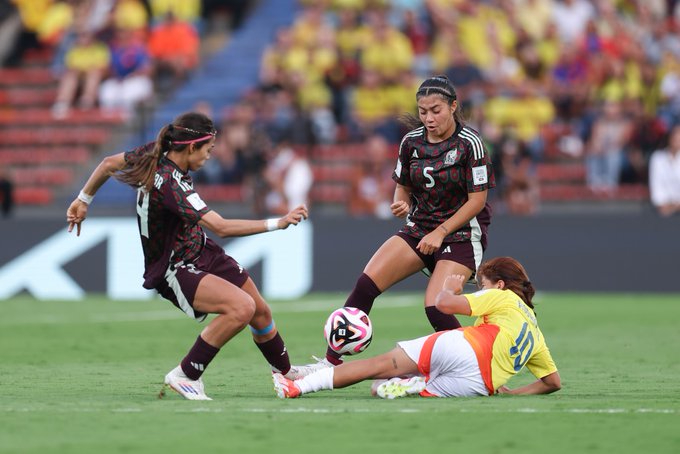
(244, 309)
(241, 309)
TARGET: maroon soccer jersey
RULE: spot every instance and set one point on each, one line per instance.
(440, 176)
(167, 217)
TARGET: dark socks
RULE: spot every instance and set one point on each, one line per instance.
(198, 358)
(362, 297)
(439, 320)
(364, 293)
(274, 351)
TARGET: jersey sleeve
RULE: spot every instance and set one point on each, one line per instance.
(479, 171)
(401, 171)
(181, 199)
(483, 301)
(541, 363)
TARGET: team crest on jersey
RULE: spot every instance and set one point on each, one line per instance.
(451, 157)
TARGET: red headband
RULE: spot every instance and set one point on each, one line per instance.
(184, 142)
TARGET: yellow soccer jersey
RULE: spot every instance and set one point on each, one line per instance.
(506, 337)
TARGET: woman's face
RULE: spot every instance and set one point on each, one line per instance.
(437, 116)
(484, 283)
(200, 154)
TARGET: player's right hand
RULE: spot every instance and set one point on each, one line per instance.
(454, 283)
(400, 208)
(76, 214)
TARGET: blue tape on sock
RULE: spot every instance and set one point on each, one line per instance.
(261, 332)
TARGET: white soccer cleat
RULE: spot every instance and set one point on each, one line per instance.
(297, 372)
(183, 385)
(284, 387)
(400, 387)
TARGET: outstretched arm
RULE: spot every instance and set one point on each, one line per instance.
(546, 385)
(77, 211)
(243, 227)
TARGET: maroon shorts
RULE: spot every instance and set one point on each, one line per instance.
(467, 253)
(181, 280)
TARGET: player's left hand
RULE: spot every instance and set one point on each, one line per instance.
(76, 214)
(294, 216)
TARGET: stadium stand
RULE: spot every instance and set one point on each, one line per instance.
(299, 65)
(41, 155)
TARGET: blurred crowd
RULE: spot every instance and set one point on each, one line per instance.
(112, 54)
(596, 81)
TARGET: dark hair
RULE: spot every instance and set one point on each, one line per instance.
(436, 85)
(512, 273)
(184, 130)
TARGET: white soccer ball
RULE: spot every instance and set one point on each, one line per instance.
(348, 331)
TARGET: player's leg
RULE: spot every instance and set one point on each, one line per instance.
(265, 334)
(394, 261)
(200, 293)
(438, 319)
(395, 363)
(452, 258)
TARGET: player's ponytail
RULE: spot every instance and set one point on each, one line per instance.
(512, 273)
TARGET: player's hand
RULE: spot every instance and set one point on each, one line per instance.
(454, 283)
(431, 242)
(295, 216)
(76, 214)
(400, 208)
(503, 390)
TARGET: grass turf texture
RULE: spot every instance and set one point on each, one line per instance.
(83, 377)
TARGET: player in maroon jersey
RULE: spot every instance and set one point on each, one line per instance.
(443, 174)
(181, 262)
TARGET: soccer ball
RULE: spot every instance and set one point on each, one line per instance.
(348, 331)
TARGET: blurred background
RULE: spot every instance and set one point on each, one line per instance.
(578, 102)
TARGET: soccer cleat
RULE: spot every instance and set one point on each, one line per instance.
(297, 372)
(285, 388)
(183, 385)
(400, 387)
(322, 363)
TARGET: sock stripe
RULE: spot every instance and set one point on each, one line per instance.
(261, 332)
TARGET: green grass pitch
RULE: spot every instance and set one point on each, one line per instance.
(83, 377)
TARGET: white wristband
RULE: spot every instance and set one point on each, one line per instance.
(85, 198)
(272, 224)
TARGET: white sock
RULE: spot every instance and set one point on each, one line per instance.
(321, 379)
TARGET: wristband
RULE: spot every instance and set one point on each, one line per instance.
(441, 226)
(272, 224)
(85, 198)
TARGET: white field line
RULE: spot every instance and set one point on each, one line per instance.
(382, 409)
(173, 314)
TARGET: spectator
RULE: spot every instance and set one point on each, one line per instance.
(86, 63)
(290, 178)
(611, 132)
(130, 75)
(174, 47)
(372, 189)
(6, 194)
(130, 15)
(183, 10)
(664, 176)
(518, 183)
(32, 13)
